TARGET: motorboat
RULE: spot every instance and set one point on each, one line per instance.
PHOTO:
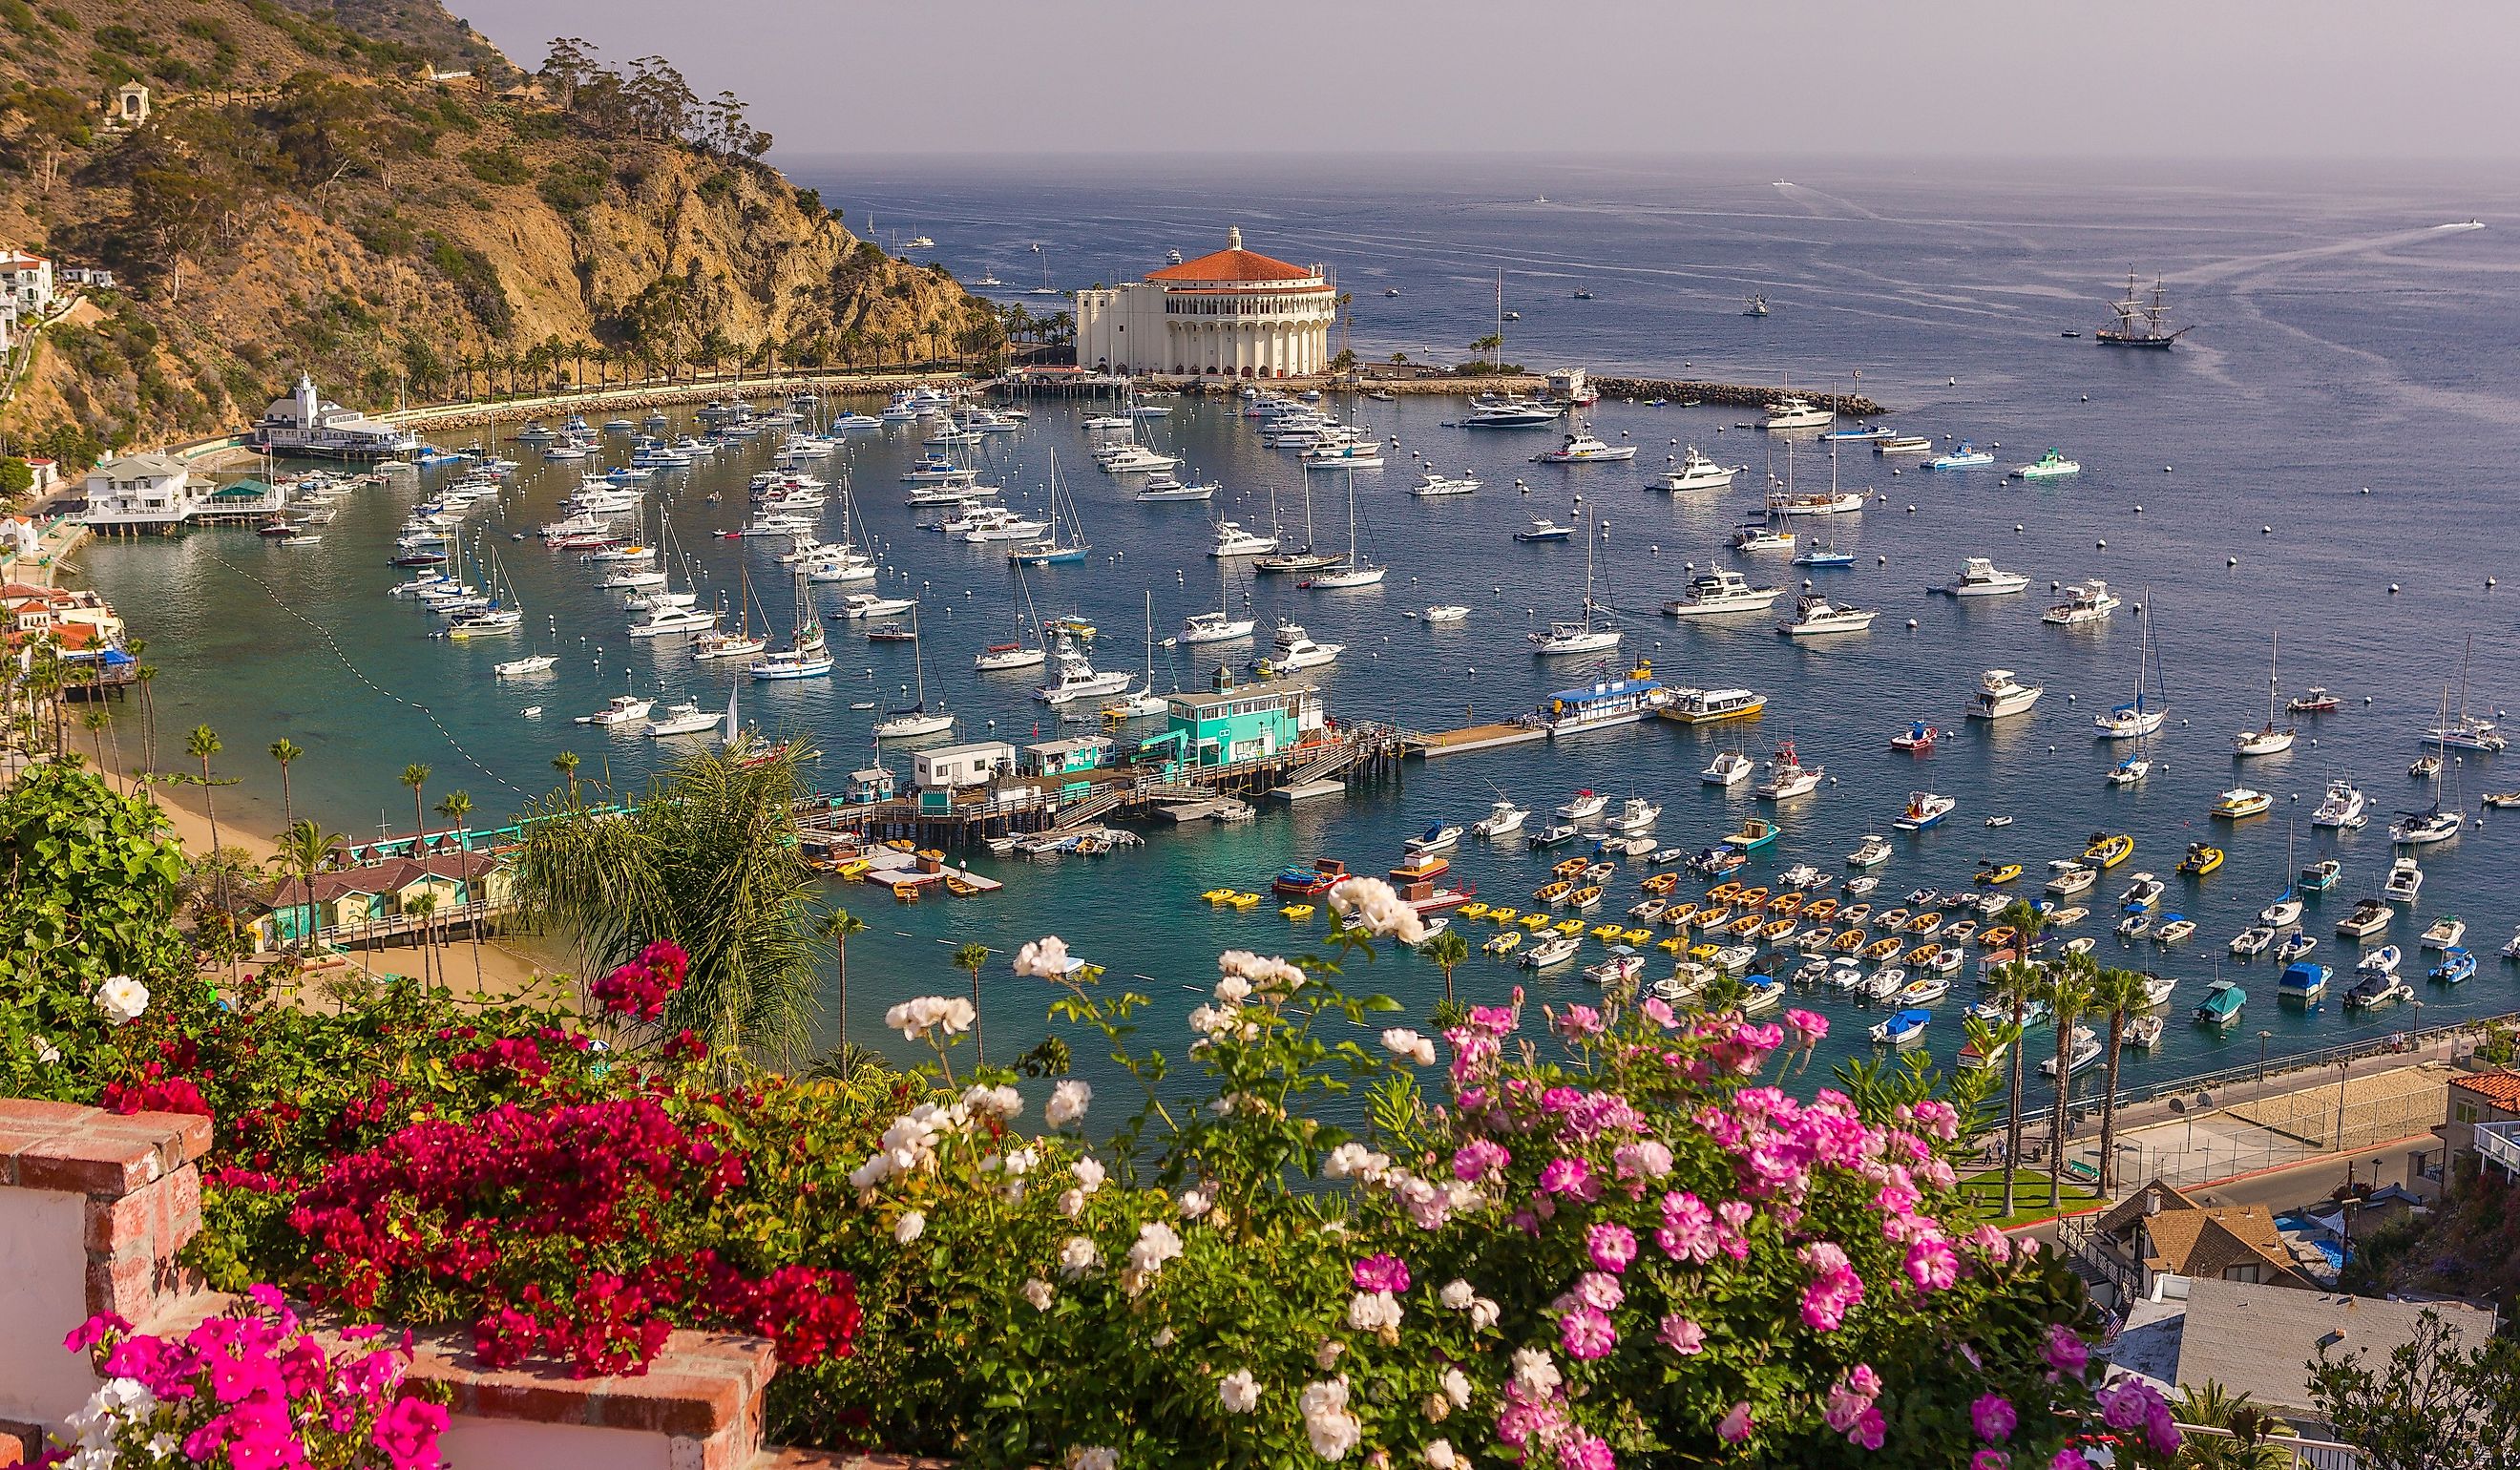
(1446, 613)
(1967, 457)
(1902, 1027)
(999, 658)
(868, 605)
(1555, 834)
(1999, 696)
(1917, 738)
(1720, 590)
(2081, 1050)
(1553, 951)
(2372, 991)
(1730, 768)
(2383, 960)
(1621, 965)
(2084, 602)
(1581, 448)
(2175, 927)
(1694, 706)
(2444, 932)
(1924, 809)
(1635, 815)
(1544, 529)
(1439, 836)
(1075, 678)
(2068, 877)
(1214, 627)
(2405, 880)
(2222, 1004)
(2344, 807)
(1502, 820)
(623, 710)
(2141, 894)
(1695, 471)
(1162, 489)
(2202, 858)
(1815, 616)
(2369, 916)
(1435, 486)
(1790, 413)
(664, 622)
(1231, 540)
(2241, 802)
(2051, 465)
(2320, 876)
(1758, 536)
(2421, 829)
(1871, 852)
(1293, 648)
(1584, 806)
(531, 663)
(2314, 700)
(1511, 412)
(1902, 444)
(685, 718)
(1981, 578)
(1787, 776)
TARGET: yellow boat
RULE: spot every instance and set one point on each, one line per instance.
(1550, 893)
(1778, 928)
(2109, 849)
(1820, 911)
(1587, 896)
(1744, 926)
(1753, 898)
(1474, 910)
(1723, 892)
(2001, 875)
(1704, 952)
(1244, 900)
(900, 844)
(854, 869)
(1849, 942)
(1504, 915)
(1669, 946)
(907, 893)
(1503, 943)
(1786, 905)
(1661, 883)
(1605, 931)
(1638, 936)
(1678, 915)
(2202, 858)
(1924, 923)
(1997, 938)
(1571, 866)
(1217, 895)
(1882, 948)
(1535, 923)
(1714, 918)
(1570, 926)
(961, 888)
(1296, 911)
(1922, 955)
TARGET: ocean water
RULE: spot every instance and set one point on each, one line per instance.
(2344, 343)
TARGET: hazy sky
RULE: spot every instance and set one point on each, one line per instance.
(2125, 78)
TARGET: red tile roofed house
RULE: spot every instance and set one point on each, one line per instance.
(1234, 312)
(2477, 1098)
(350, 903)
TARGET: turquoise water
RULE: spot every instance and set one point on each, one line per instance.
(2343, 344)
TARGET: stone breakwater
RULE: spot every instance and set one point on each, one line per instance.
(662, 395)
(1745, 395)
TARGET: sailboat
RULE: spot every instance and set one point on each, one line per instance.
(743, 642)
(2266, 740)
(1146, 702)
(1593, 634)
(1358, 573)
(506, 613)
(806, 656)
(2433, 823)
(2467, 732)
(1307, 559)
(1052, 550)
(1218, 627)
(2137, 717)
(1026, 651)
(915, 717)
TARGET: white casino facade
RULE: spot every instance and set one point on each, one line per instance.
(1234, 314)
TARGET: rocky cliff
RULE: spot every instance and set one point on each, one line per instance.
(311, 192)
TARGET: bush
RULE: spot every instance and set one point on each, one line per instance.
(497, 165)
(572, 186)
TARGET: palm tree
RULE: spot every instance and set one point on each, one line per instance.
(2120, 995)
(1448, 950)
(2068, 992)
(707, 858)
(2213, 1407)
(838, 927)
(200, 745)
(285, 750)
(422, 906)
(416, 776)
(2017, 981)
(972, 956)
(566, 763)
(455, 805)
(301, 850)
(1492, 342)
(95, 719)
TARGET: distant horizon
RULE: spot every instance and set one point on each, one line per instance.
(2252, 80)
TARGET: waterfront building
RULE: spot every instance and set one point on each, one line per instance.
(2483, 1117)
(77, 616)
(306, 425)
(144, 492)
(1061, 757)
(942, 768)
(1236, 723)
(1234, 313)
(352, 904)
(26, 283)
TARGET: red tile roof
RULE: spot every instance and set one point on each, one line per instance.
(1231, 265)
(2501, 1087)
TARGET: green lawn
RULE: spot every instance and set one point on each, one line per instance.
(2029, 1196)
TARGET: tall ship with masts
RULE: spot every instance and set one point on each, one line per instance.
(2139, 323)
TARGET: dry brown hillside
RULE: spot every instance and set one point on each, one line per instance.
(303, 198)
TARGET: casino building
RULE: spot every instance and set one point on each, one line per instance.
(1233, 314)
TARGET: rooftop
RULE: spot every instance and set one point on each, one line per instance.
(1233, 264)
(2500, 1086)
(2261, 1340)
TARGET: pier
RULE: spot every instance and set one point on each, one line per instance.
(1734, 394)
(1471, 737)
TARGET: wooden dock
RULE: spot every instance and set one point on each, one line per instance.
(1472, 737)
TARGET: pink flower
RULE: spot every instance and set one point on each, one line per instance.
(1989, 1459)
(408, 1434)
(1580, 1020)
(1479, 1158)
(2127, 1404)
(2069, 1458)
(2067, 1351)
(1687, 1230)
(1993, 1417)
(1587, 1334)
(1586, 1453)
(1736, 1425)
(1613, 1245)
(1382, 1272)
(1681, 1336)
(1569, 1176)
(1933, 1264)
(1809, 1027)
(1650, 1159)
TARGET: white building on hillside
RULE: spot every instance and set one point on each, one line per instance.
(308, 424)
(1235, 313)
(26, 283)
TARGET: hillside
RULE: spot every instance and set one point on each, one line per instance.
(304, 197)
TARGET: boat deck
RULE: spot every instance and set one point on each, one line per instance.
(1473, 738)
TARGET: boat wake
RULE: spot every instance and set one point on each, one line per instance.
(1812, 199)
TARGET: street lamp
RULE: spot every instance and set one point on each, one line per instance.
(2263, 1038)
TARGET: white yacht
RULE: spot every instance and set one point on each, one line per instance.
(2269, 739)
(2421, 829)
(1502, 820)
(685, 718)
(1433, 485)
(1982, 578)
(1584, 806)
(2140, 716)
(1635, 814)
(1292, 649)
(2404, 881)
(1217, 626)
(1719, 590)
(1815, 616)
(1758, 536)
(1999, 694)
(662, 621)
(2084, 602)
(859, 604)
(1730, 769)
(1234, 540)
(1593, 634)
(531, 663)
(1874, 851)
(1695, 471)
(1077, 679)
(2343, 807)
(1787, 776)
(1583, 448)
(624, 709)
(1163, 488)
(1902, 444)
(1798, 413)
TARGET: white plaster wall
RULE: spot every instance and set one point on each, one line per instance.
(514, 1445)
(43, 1295)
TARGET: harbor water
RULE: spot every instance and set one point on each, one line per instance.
(2326, 456)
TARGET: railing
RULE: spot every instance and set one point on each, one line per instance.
(2305, 1454)
(2500, 1145)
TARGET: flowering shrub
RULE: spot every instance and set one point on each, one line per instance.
(250, 1390)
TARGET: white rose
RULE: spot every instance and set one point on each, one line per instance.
(123, 1000)
(1092, 1456)
(996, 1103)
(1195, 1203)
(1457, 1295)
(1156, 1243)
(1332, 1429)
(871, 1173)
(46, 1053)
(1372, 1311)
(1439, 1455)
(1089, 1173)
(1039, 1293)
(1071, 1202)
(1374, 906)
(1045, 959)
(1239, 1392)
(1233, 990)
(1326, 1356)
(910, 1228)
(1484, 1314)
(1077, 1257)
(1457, 1387)
(1409, 1046)
(914, 1019)
(1355, 1160)
(1163, 1337)
(1067, 1103)
(1533, 1370)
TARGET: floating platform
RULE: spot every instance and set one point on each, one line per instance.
(1306, 791)
(1214, 809)
(890, 865)
(1475, 738)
